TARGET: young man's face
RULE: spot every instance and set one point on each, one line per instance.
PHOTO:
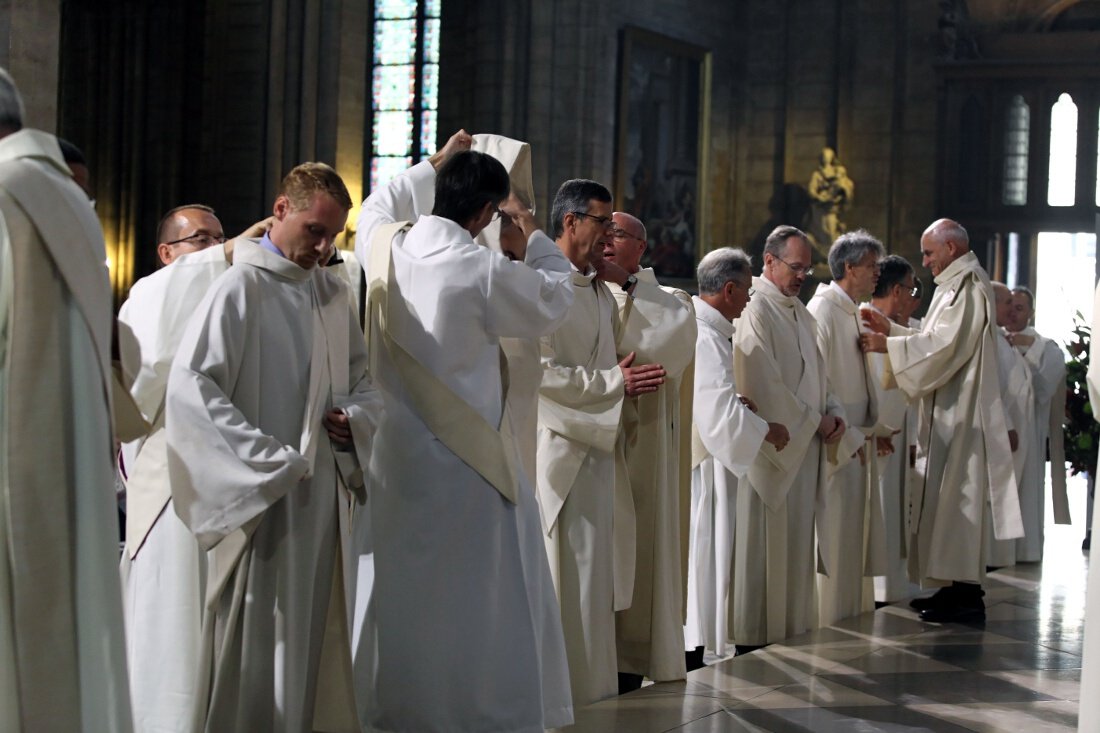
(306, 236)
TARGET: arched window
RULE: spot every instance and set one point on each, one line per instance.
(1017, 131)
(1062, 175)
(404, 85)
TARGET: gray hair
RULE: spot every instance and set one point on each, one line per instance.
(1026, 291)
(850, 248)
(776, 242)
(575, 195)
(11, 103)
(720, 267)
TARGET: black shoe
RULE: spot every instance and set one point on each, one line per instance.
(954, 614)
(629, 682)
(693, 660)
(740, 649)
(881, 604)
(943, 597)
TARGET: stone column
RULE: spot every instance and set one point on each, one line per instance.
(30, 44)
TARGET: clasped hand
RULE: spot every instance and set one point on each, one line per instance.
(641, 379)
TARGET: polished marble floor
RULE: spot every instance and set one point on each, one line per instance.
(888, 671)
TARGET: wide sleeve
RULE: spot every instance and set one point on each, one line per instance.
(531, 298)
(924, 361)
(1048, 369)
(659, 326)
(405, 198)
(580, 403)
(223, 470)
(729, 431)
(363, 405)
(758, 375)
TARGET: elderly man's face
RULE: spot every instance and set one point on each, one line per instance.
(306, 236)
(936, 255)
(1021, 312)
(626, 244)
(788, 271)
(863, 276)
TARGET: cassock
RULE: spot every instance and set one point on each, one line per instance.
(462, 601)
(949, 367)
(256, 479)
(726, 436)
(580, 405)
(1019, 404)
(162, 566)
(62, 659)
(779, 367)
(1048, 371)
(843, 509)
(1088, 718)
(889, 531)
(658, 325)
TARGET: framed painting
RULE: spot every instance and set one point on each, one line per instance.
(660, 156)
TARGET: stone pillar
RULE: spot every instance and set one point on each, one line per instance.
(30, 45)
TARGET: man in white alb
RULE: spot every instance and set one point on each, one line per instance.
(584, 384)
(726, 437)
(949, 367)
(842, 515)
(269, 412)
(62, 658)
(779, 367)
(1048, 368)
(658, 325)
(462, 599)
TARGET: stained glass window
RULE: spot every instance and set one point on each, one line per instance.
(1062, 180)
(404, 85)
(1017, 130)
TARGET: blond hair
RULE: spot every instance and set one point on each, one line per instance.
(309, 179)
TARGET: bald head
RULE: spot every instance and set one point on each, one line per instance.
(1002, 299)
(627, 242)
(943, 242)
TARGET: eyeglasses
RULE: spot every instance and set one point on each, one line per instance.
(796, 269)
(915, 291)
(619, 233)
(603, 221)
(203, 240)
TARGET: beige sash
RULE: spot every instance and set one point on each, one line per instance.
(450, 418)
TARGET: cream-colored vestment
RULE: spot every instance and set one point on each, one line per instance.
(778, 366)
(256, 479)
(726, 438)
(658, 325)
(62, 658)
(949, 368)
(845, 508)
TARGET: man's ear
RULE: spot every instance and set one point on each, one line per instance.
(281, 207)
(164, 253)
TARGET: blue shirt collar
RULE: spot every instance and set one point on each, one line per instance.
(266, 243)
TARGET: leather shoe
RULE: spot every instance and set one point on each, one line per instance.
(954, 614)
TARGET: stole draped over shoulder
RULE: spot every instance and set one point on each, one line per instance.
(62, 659)
(949, 367)
(778, 366)
(162, 566)
(658, 325)
(479, 623)
(256, 479)
(726, 436)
